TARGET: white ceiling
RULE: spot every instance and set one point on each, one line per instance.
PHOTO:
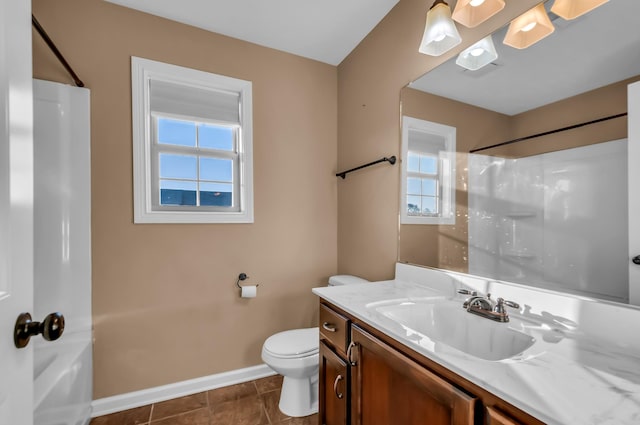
(599, 48)
(326, 30)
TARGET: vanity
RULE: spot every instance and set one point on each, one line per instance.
(405, 351)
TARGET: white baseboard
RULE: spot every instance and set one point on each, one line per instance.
(118, 403)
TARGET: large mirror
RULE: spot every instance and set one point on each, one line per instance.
(544, 210)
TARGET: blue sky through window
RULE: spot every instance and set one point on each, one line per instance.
(183, 175)
(173, 132)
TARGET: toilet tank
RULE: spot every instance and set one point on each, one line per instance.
(345, 279)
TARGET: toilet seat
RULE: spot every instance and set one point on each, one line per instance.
(293, 344)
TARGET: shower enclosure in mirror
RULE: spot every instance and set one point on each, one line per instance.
(548, 211)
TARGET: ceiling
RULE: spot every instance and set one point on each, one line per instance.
(594, 50)
(326, 30)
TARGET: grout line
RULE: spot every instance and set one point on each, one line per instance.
(151, 412)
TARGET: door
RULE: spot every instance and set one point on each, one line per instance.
(634, 192)
(16, 209)
(388, 388)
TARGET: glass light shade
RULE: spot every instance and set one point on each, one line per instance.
(440, 32)
(571, 9)
(529, 28)
(480, 54)
(471, 15)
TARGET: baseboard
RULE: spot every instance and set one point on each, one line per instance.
(118, 403)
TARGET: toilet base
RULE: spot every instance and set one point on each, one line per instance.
(299, 396)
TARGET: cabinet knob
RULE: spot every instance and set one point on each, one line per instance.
(335, 386)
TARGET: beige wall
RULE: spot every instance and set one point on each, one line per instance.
(605, 101)
(369, 84)
(164, 302)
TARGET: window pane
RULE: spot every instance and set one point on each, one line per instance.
(173, 132)
(177, 192)
(428, 164)
(413, 162)
(414, 205)
(178, 167)
(215, 137)
(429, 205)
(414, 186)
(216, 194)
(216, 169)
(429, 187)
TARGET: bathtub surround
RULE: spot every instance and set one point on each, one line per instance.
(165, 305)
(62, 374)
(548, 210)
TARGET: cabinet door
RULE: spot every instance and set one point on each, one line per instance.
(333, 388)
(389, 388)
(496, 417)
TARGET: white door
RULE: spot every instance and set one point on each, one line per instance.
(16, 209)
(634, 192)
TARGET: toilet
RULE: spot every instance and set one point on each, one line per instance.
(294, 355)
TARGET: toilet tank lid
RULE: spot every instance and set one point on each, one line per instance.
(345, 279)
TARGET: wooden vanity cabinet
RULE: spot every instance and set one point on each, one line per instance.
(389, 388)
(381, 382)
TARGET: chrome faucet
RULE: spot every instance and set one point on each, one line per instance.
(485, 307)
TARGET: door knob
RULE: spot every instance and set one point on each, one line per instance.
(51, 328)
(636, 259)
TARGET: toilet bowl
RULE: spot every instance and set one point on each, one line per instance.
(294, 355)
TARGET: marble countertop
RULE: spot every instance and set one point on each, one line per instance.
(566, 377)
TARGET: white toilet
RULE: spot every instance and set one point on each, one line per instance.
(294, 355)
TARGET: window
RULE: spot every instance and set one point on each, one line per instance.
(192, 145)
(428, 172)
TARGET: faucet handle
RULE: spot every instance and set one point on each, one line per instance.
(501, 302)
(511, 304)
(467, 292)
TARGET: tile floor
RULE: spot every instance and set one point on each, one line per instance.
(249, 403)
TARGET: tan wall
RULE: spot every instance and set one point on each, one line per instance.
(369, 84)
(164, 302)
(595, 104)
(446, 246)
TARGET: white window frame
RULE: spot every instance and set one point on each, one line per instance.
(145, 211)
(446, 167)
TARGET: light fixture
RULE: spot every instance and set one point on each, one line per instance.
(440, 32)
(472, 13)
(529, 28)
(480, 54)
(571, 9)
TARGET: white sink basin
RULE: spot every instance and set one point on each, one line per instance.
(448, 323)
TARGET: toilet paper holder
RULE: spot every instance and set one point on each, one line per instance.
(242, 276)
